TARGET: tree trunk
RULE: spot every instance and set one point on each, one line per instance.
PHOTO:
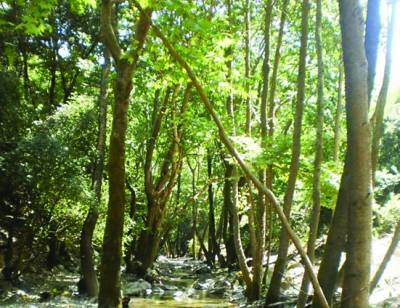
(247, 66)
(336, 137)
(276, 280)
(371, 44)
(382, 98)
(88, 270)
(314, 215)
(227, 232)
(264, 94)
(149, 240)
(236, 235)
(109, 295)
(212, 242)
(110, 284)
(328, 269)
(358, 251)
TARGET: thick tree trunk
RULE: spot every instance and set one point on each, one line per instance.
(88, 269)
(110, 284)
(314, 215)
(358, 251)
(276, 280)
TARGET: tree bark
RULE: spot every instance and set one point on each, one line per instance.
(88, 270)
(110, 284)
(314, 215)
(358, 251)
(276, 280)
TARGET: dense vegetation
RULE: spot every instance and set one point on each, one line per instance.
(222, 130)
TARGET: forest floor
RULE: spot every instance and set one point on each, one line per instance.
(183, 282)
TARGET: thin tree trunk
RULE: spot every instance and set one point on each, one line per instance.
(266, 68)
(88, 270)
(276, 280)
(382, 98)
(247, 66)
(314, 215)
(225, 140)
(335, 243)
(371, 44)
(194, 209)
(158, 193)
(110, 284)
(389, 253)
(271, 120)
(227, 229)
(336, 136)
(358, 251)
(212, 242)
(258, 216)
(236, 233)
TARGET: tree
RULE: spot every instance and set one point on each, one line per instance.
(358, 250)
(315, 213)
(276, 280)
(109, 293)
(88, 270)
(377, 119)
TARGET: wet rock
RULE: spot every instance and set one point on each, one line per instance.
(158, 291)
(137, 288)
(257, 304)
(44, 296)
(170, 287)
(202, 269)
(220, 287)
(203, 284)
(179, 294)
(151, 275)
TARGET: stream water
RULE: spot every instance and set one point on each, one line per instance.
(175, 283)
(181, 282)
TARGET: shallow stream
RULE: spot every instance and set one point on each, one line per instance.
(176, 283)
